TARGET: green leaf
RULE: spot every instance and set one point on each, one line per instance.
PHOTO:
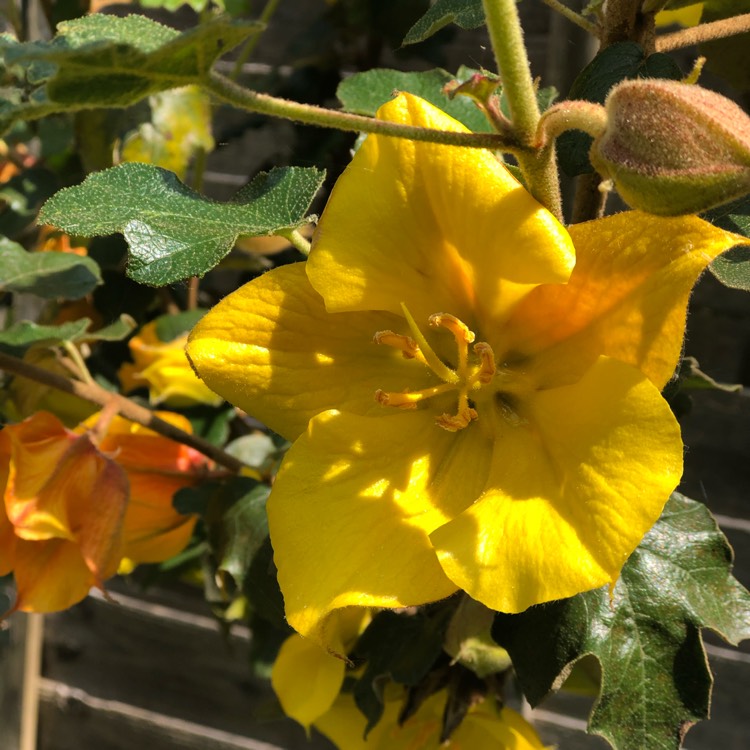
(23, 194)
(50, 275)
(245, 526)
(614, 64)
(655, 680)
(402, 647)
(733, 267)
(173, 232)
(170, 327)
(105, 61)
(363, 93)
(468, 14)
(20, 336)
(117, 331)
(194, 500)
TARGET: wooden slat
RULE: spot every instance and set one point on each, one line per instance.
(161, 660)
(74, 720)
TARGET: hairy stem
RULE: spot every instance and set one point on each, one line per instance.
(538, 166)
(94, 393)
(573, 17)
(704, 33)
(253, 101)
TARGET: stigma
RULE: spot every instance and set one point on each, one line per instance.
(472, 370)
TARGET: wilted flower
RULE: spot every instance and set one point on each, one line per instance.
(164, 369)
(505, 433)
(61, 519)
(156, 468)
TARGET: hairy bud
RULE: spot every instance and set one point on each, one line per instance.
(671, 148)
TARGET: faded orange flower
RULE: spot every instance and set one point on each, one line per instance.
(61, 515)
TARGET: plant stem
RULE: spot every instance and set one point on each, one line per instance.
(298, 241)
(94, 393)
(704, 33)
(226, 90)
(265, 16)
(539, 166)
(81, 370)
(573, 17)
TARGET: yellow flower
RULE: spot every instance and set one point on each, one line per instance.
(61, 515)
(163, 367)
(504, 434)
(482, 728)
(306, 678)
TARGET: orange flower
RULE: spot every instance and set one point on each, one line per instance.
(156, 467)
(61, 519)
(51, 240)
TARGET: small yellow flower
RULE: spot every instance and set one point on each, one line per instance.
(474, 390)
(483, 728)
(164, 369)
(306, 678)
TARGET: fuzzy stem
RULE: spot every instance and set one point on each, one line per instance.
(573, 17)
(265, 16)
(704, 33)
(589, 117)
(253, 101)
(94, 393)
(539, 168)
(298, 241)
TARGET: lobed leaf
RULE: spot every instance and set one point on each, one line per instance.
(107, 61)
(50, 275)
(468, 14)
(646, 636)
(173, 232)
(20, 336)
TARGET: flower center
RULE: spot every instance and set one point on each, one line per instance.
(466, 378)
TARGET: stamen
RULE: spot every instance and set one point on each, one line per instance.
(406, 344)
(487, 367)
(454, 423)
(464, 379)
(460, 332)
(410, 399)
(436, 364)
(457, 327)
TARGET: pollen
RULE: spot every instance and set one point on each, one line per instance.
(467, 375)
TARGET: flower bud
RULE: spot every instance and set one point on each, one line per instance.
(672, 148)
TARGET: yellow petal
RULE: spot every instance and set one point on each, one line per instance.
(575, 486)
(306, 679)
(272, 349)
(626, 298)
(352, 506)
(440, 228)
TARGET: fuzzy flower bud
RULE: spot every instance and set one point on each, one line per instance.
(672, 148)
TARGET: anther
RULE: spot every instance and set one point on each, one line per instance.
(487, 366)
(406, 344)
(456, 422)
(458, 328)
(399, 400)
